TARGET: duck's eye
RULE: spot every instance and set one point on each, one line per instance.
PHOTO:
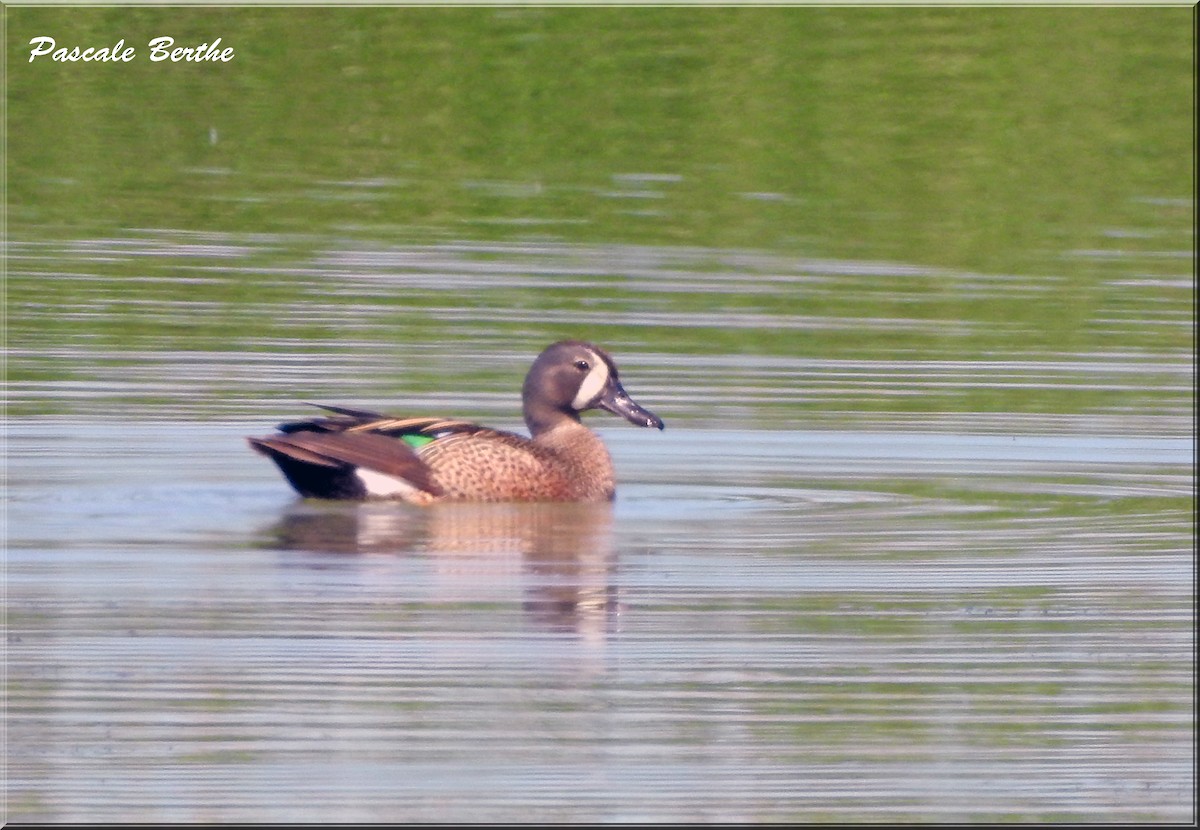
(582, 365)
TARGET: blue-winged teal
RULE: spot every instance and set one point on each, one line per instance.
(357, 455)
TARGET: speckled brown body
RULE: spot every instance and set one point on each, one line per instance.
(567, 463)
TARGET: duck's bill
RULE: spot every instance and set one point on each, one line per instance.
(616, 401)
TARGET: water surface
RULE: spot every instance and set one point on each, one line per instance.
(840, 625)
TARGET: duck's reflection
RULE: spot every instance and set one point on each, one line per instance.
(562, 553)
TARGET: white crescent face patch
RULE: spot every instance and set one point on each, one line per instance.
(593, 384)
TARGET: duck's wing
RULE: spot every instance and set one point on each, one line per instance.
(354, 453)
(345, 420)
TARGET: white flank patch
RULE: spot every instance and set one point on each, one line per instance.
(382, 484)
(592, 385)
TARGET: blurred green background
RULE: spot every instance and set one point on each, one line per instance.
(1052, 147)
(972, 138)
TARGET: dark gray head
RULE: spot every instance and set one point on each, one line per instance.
(572, 376)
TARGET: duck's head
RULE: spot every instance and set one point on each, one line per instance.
(572, 376)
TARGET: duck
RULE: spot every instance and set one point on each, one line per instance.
(354, 454)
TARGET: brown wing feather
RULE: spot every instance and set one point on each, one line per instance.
(361, 421)
(283, 446)
(360, 449)
(444, 467)
(417, 426)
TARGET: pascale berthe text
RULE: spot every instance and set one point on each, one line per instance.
(161, 49)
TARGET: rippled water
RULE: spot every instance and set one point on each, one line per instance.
(771, 624)
(738, 333)
(940, 581)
